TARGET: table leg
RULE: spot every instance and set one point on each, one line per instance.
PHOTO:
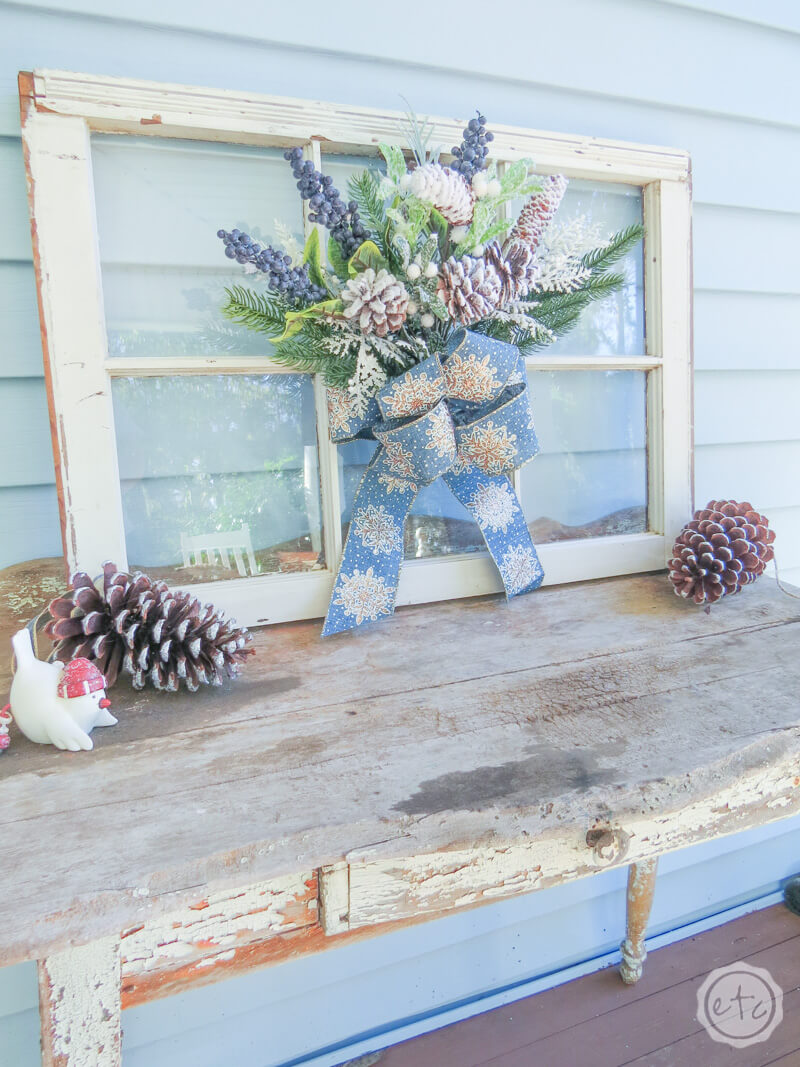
(641, 886)
(79, 1006)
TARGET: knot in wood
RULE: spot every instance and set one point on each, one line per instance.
(609, 845)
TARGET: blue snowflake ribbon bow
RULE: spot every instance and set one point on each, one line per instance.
(467, 419)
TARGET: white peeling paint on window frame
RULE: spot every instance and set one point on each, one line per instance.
(59, 112)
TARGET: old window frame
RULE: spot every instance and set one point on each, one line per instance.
(60, 110)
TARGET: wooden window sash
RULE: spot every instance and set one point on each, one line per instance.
(61, 109)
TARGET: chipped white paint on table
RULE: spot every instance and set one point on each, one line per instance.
(454, 755)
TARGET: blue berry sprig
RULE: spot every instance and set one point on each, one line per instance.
(471, 155)
(293, 283)
(327, 206)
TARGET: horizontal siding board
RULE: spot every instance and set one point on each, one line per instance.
(611, 50)
(764, 473)
(750, 251)
(24, 433)
(754, 405)
(31, 527)
(15, 233)
(21, 352)
(746, 331)
(777, 14)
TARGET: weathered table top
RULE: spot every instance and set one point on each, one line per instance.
(454, 726)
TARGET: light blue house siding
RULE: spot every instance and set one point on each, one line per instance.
(717, 77)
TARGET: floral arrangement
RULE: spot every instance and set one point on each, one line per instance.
(418, 319)
(417, 253)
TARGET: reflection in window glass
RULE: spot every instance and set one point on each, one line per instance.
(438, 524)
(219, 475)
(590, 478)
(159, 206)
(614, 326)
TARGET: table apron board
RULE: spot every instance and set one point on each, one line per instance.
(84, 989)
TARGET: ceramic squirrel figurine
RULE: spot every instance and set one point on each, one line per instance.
(56, 703)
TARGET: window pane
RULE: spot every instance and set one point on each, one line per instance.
(614, 326)
(216, 462)
(590, 478)
(438, 524)
(159, 206)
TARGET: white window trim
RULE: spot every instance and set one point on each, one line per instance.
(59, 112)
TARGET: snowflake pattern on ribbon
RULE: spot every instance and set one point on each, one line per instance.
(364, 596)
(440, 433)
(489, 447)
(471, 378)
(398, 459)
(519, 567)
(412, 395)
(377, 529)
(397, 485)
(472, 428)
(340, 411)
(494, 506)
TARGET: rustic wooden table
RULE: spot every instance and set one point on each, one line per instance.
(454, 755)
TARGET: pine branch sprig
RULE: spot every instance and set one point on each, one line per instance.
(600, 259)
(261, 312)
(364, 188)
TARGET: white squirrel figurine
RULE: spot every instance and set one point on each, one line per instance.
(56, 703)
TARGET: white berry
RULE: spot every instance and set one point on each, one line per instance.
(427, 320)
(414, 271)
(480, 185)
(412, 308)
(477, 250)
(495, 188)
(405, 181)
(431, 270)
(458, 233)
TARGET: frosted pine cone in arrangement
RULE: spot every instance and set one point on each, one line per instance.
(538, 213)
(515, 268)
(446, 189)
(471, 288)
(378, 303)
(726, 546)
(135, 625)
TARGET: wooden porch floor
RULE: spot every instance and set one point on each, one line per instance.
(596, 1021)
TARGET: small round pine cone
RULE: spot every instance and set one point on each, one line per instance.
(724, 547)
(377, 302)
(132, 624)
(471, 288)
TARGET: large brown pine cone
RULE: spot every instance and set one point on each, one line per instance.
(538, 213)
(726, 546)
(133, 624)
(515, 268)
(471, 288)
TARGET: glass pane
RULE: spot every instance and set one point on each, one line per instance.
(614, 326)
(438, 524)
(590, 478)
(159, 206)
(219, 475)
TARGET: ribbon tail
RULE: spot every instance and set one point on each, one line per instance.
(366, 583)
(492, 501)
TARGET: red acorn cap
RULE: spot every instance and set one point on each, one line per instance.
(80, 677)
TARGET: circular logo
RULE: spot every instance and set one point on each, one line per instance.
(740, 1005)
